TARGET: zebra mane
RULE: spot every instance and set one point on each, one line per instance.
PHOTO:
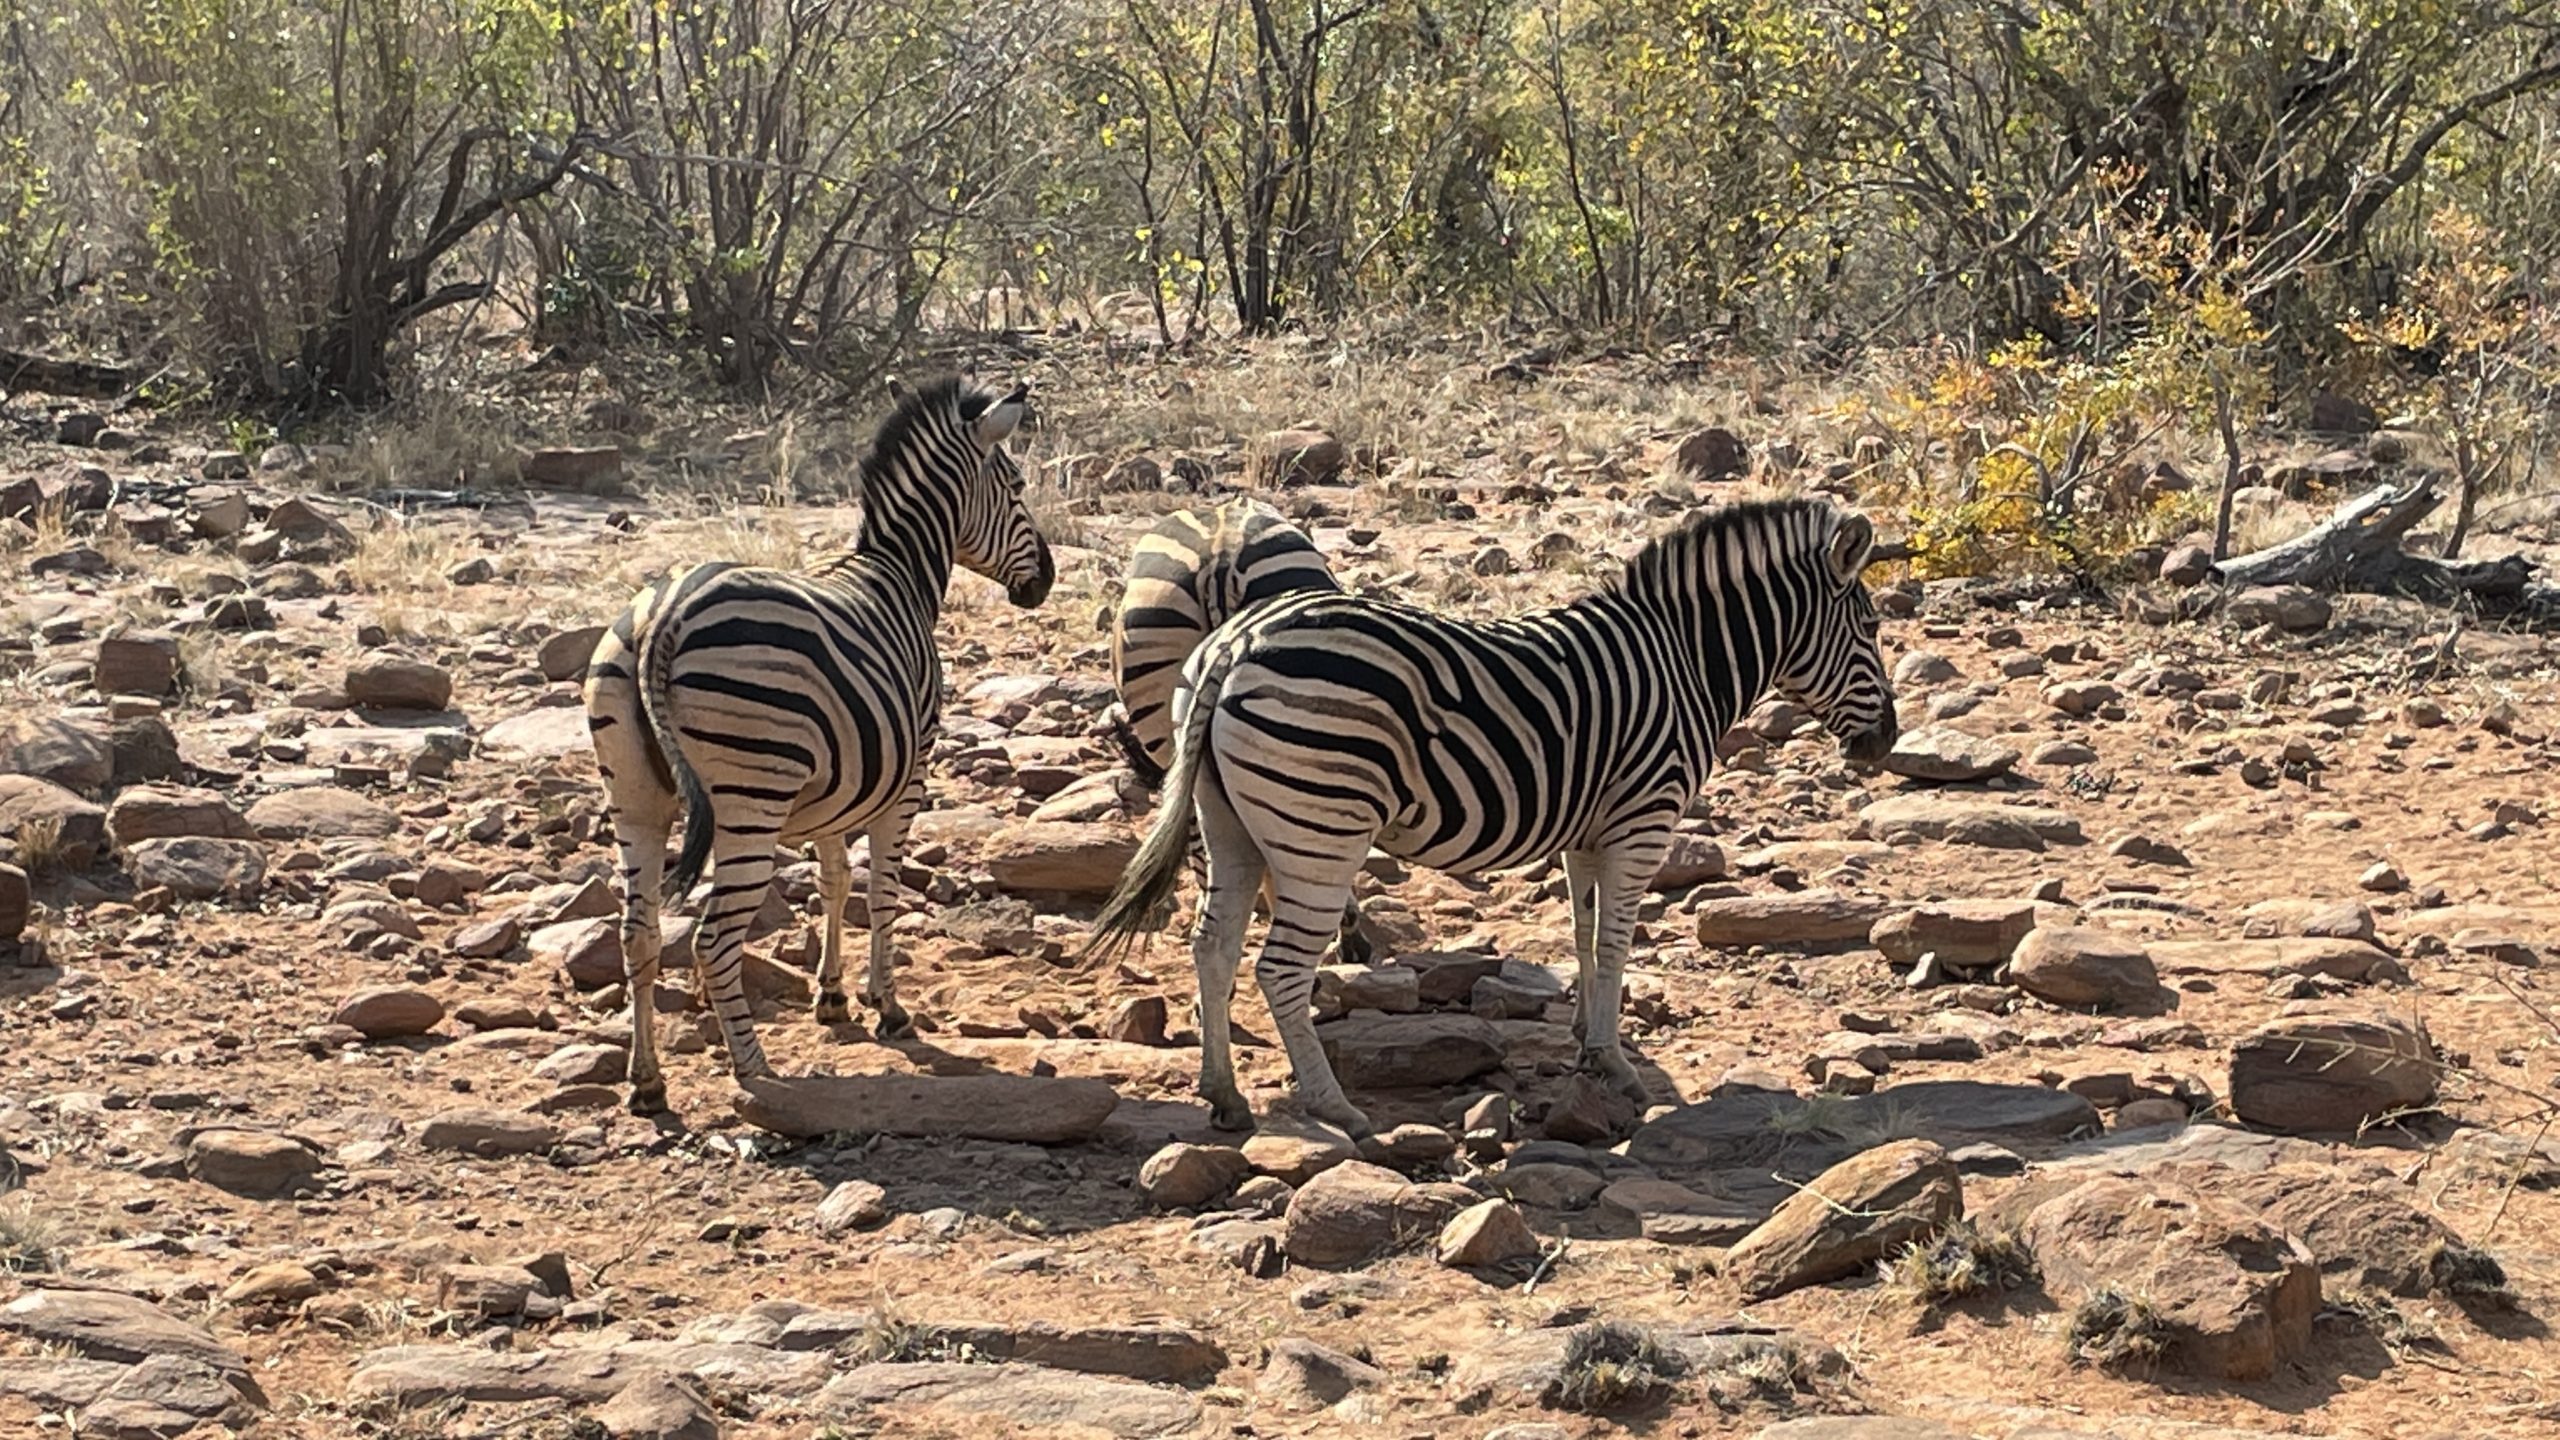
(1661, 556)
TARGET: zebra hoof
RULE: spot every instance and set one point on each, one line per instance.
(832, 1009)
(895, 1024)
(1355, 948)
(1239, 1117)
(649, 1099)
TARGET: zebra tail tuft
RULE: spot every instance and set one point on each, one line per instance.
(1133, 752)
(1143, 901)
(655, 663)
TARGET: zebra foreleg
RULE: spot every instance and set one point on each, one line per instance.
(1581, 872)
(887, 901)
(1621, 881)
(835, 887)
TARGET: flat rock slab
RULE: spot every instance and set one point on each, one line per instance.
(1763, 1130)
(1038, 1399)
(1025, 1108)
(544, 734)
(2336, 958)
(58, 1383)
(106, 1326)
(2243, 1150)
(321, 812)
(1808, 917)
(1859, 1427)
(409, 1376)
(1942, 817)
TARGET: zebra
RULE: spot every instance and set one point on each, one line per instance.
(1317, 725)
(780, 708)
(1187, 576)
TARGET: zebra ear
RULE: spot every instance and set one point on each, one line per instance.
(1851, 544)
(898, 391)
(1000, 419)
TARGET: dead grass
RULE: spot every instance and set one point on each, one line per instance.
(1963, 1261)
(2114, 1330)
(2466, 1272)
(1612, 1366)
(30, 1241)
(41, 850)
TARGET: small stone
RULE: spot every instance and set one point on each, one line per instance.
(658, 1406)
(1849, 1217)
(2311, 1074)
(1181, 1177)
(1487, 1234)
(1139, 1020)
(1941, 754)
(1355, 1211)
(484, 1290)
(483, 1130)
(2079, 967)
(1486, 1130)
(194, 867)
(1589, 1111)
(2186, 565)
(252, 1163)
(389, 1012)
(1296, 1149)
(2383, 878)
(851, 1205)
(393, 682)
(1303, 1376)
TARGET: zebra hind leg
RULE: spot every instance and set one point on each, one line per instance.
(835, 887)
(742, 869)
(1235, 880)
(887, 901)
(1307, 913)
(644, 856)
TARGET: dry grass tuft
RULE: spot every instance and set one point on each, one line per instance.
(1961, 1262)
(41, 850)
(30, 1241)
(1613, 1366)
(2113, 1330)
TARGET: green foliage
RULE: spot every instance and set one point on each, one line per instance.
(2165, 198)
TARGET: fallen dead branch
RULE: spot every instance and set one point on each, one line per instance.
(2361, 547)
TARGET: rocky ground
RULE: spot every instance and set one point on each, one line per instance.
(2160, 1050)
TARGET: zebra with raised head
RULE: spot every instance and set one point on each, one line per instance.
(773, 708)
(1189, 575)
(1315, 726)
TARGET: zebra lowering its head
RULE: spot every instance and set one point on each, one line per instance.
(1312, 727)
(1189, 575)
(774, 708)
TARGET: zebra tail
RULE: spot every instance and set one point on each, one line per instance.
(1143, 901)
(655, 664)
(1133, 753)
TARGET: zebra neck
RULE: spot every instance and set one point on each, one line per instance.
(918, 563)
(1725, 631)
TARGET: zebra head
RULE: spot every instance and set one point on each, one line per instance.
(996, 536)
(1831, 663)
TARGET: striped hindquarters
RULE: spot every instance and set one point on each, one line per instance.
(1188, 576)
(800, 705)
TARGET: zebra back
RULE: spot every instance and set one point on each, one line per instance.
(1187, 577)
